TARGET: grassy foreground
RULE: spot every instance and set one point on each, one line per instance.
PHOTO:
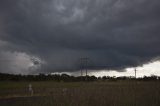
(48, 93)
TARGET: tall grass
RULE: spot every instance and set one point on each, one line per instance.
(119, 93)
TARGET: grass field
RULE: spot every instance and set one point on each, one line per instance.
(118, 93)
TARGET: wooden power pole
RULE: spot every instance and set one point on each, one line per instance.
(135, 73)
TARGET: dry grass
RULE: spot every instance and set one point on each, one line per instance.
(119, 93)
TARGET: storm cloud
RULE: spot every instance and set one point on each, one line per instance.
(53, 35)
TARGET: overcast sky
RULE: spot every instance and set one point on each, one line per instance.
(53, 35)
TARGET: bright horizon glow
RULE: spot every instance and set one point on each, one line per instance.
(146, 70)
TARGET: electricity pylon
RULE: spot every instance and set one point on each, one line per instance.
(84, 66)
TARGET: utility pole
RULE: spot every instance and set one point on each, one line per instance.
(81, 68)
(135, 73)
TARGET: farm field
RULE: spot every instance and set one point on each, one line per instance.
(107, 93)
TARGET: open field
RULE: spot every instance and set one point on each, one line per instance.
(118, 93)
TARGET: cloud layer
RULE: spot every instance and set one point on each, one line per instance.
(113, 34)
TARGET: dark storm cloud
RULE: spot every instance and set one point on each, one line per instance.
(113, 34)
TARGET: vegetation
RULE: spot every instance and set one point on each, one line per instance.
(119, 93)
(64, 90)
(68, 78)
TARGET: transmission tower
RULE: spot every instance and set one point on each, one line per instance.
(84, 66)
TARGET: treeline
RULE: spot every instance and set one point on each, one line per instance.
(68, 78)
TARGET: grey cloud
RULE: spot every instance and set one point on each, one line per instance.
(113, 34)
(17, 62)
